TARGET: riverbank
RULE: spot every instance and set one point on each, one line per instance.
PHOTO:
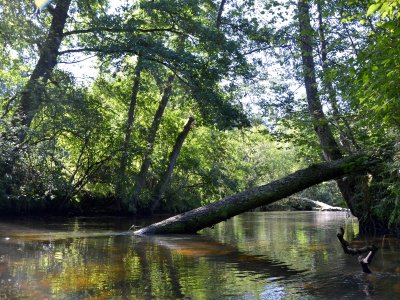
(92, 205)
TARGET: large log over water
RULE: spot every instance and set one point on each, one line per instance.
(208, 215)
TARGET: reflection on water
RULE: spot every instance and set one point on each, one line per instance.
(268, 255)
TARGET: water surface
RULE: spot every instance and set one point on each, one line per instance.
(266, 255)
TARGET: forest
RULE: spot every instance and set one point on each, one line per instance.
(143, 107)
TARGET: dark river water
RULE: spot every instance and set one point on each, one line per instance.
(264, 255)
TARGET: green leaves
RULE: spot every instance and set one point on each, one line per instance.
(373, 8)
(385, 8)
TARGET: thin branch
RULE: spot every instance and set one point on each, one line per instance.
(108, 51)
(261, 49)
(121, 30)
(77, 61)
(79, 162)
(98, 50)
(7, 106)
(90, 169)
(219, 16)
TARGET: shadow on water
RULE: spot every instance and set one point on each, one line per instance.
(205, 246)
(252, 256)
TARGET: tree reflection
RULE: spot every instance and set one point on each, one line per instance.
(126, 266)
(249, 258)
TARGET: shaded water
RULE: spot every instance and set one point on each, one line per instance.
(268, 255)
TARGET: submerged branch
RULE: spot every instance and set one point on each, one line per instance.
(364, 261)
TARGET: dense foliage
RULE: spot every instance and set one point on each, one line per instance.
(179, 103)
(354, 46)
(105, 141)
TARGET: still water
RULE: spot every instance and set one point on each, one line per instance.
(261, 255)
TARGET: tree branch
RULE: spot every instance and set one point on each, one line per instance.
(121, 30)
(99, 50)
(219, 16)
(364, 261)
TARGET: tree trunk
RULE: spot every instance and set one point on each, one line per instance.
(356, 190)
(119, 187)
(33, 93)
(329, 146)
(327, 141)
(32, 96)
(202, 217)
(151, 137)
(164, 181)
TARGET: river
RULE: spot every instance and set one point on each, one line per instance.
(257, 255)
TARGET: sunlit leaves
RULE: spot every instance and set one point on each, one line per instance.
(385, 8)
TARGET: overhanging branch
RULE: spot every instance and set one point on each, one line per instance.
(121, 30)
(98, 50)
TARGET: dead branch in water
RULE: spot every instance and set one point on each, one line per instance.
(364, 261)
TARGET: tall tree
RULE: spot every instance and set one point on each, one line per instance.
(321, 126)
(151, 137)
(346, 135)
(364, 195)
(166, 177)
(126, 146)
(33, 94)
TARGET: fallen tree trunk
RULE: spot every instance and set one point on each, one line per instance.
(208, 215)
(319, 205)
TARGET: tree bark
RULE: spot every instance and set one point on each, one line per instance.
(202, 217)
(119, 187)
(151, 137)
(164, 181)
(32, 96)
